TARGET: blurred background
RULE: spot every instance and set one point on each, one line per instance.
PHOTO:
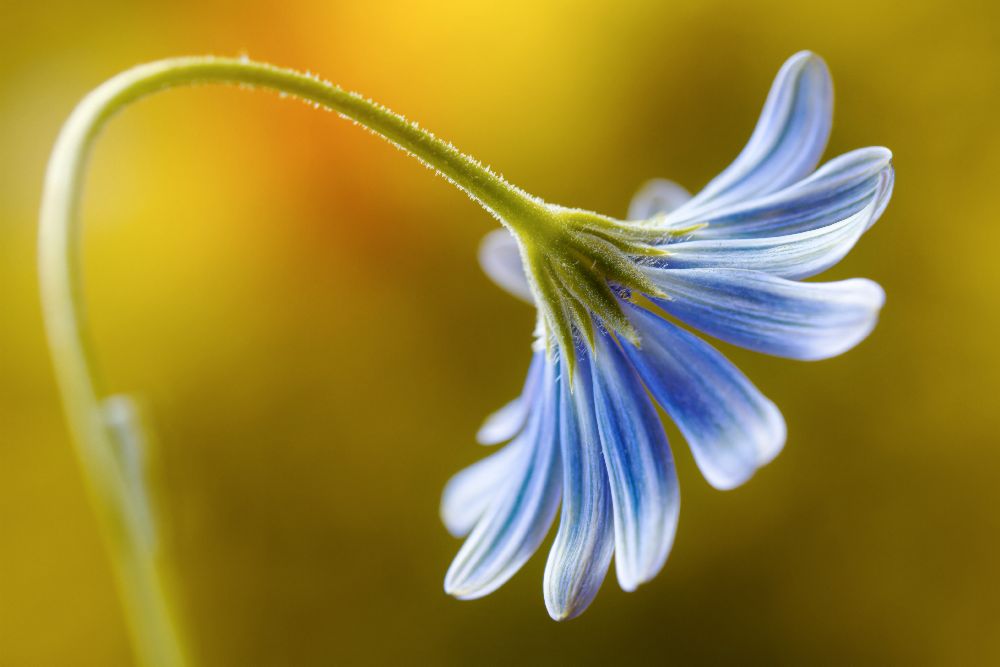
(301, 309)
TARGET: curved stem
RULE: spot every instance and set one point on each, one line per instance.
(99, 443)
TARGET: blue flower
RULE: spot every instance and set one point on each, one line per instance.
(728, 262)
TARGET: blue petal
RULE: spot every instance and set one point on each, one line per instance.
(640, 467)
(731, 427)
(789, 138)
(772, 315)
(521, 512)
(840, 188)
(469, 492)
(657, 197)
(508, 421)
(504, 424)
(500, 259)
(794, 256)
(582, 550)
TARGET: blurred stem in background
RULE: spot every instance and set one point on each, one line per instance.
(111, 442)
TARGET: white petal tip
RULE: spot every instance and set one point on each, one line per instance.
(454, 529)
(881, 152)
(807, 60)
(560, 615)
(767, 449)
(460, 590)
(630, 581)
(721, 482)
(628, 585)
(876, 294)
(805, 56)
(568, 604)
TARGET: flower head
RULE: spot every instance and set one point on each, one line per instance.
(728, 262)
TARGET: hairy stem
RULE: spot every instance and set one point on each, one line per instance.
(137, 563)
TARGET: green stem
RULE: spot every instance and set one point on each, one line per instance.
(137, 564)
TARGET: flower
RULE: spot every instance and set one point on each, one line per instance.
(728, 262)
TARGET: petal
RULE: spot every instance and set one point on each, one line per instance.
(656, 197)
(772, 315)
(793, 256)
(837, 190)
(469, 493)
(508, 421)
(640, 467)
(520, 514)
(500, 258)
(581, 553)
(504, 424)
(788, 140)
(731, 427)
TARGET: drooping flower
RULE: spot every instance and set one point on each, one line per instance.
(728, 262)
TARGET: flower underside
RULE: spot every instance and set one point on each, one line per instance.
(613, 298)
(584, 265)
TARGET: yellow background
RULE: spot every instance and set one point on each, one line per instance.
(300, 306)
